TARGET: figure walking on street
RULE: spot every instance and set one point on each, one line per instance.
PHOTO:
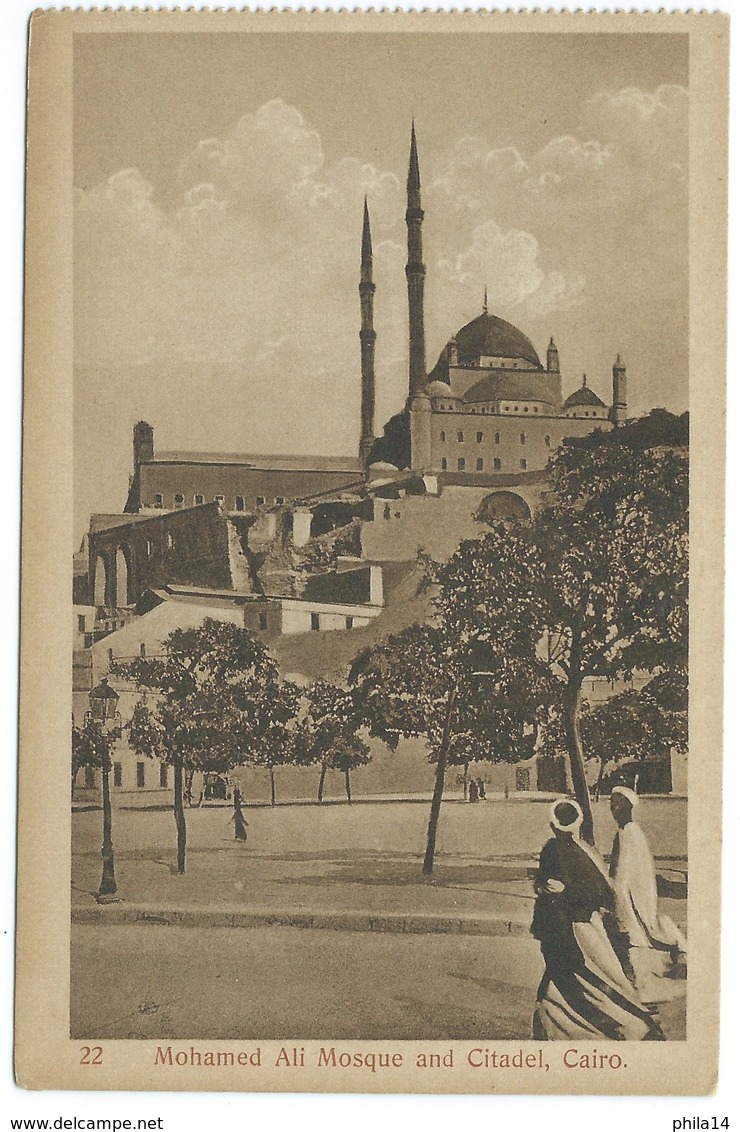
(240, 822)
(652, 940)
(584, 992)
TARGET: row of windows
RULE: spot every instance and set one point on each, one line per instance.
(484, 409)
(496, 438)
(349, 622)
(493, 409)
(118, 775)
(240, 501)
(479, 465)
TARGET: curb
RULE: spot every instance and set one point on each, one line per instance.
(226, 917)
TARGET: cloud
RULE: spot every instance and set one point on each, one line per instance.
(509, 264)
(261, 160)
(257, 266)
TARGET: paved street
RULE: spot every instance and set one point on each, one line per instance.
(428, 976)
(149, 982)
(271, 983)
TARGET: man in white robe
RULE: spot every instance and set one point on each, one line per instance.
(655, 943)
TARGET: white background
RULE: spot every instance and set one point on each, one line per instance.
(191, 1112)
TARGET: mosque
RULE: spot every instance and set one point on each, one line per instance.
(481, 424)
(315, 554)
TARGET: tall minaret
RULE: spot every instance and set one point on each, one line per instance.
(618, 411)
(415, 272)
(367, 342)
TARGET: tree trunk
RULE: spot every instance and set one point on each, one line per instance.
(322, 776)
(575, 754)
(465, 780)
(439, 785)
(347, 787)
(179, 813)
(272, 785)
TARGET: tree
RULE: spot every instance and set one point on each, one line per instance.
(638, 726)
(91, 746)
(604, 588)
(277, 739)
(468, 695)
(327, 734)
(212, 688)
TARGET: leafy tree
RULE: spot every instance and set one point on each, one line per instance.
(277, 740)
(91, 746)
(598, 583)
(637, 726)
(468, 695)
(327, 734)
(212, 687)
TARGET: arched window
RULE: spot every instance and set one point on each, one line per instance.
(444, 464)
(479, 438)
(479, 465)
(522, 438)
(461, 464)
(443, 436)
(523, 465)
(497, 438)
(460, 437)
(548, 441)
(497, 464)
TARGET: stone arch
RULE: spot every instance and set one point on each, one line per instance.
(504, 506)
(123, 580)
(100, 581)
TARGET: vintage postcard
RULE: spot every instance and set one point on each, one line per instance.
(372, 553)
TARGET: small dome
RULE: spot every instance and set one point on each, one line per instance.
(382, 468)
(584, 396)
(440, 389)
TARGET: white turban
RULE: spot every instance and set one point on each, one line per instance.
(566, 827)
(630, 795)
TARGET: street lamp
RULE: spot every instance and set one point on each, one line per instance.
(104, 712)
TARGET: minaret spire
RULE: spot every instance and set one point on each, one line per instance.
(367, 341)
(415, 272)
(485, 299)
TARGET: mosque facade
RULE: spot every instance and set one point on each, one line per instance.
(485, 419)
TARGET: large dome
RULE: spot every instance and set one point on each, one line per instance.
(487, 336)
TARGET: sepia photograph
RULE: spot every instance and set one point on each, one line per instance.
(386, 354)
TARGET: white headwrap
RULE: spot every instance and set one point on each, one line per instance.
(630, 795)
(566, 827)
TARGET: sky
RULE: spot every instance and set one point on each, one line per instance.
(219, 182)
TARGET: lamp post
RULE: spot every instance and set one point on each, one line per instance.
(104, 712)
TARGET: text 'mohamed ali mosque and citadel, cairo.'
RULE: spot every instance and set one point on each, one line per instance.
(289, 545)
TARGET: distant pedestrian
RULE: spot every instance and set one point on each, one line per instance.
(481, 789)
(240, 823)
(473, 791)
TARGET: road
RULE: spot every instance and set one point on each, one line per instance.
(283, 983)
(243, 983)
